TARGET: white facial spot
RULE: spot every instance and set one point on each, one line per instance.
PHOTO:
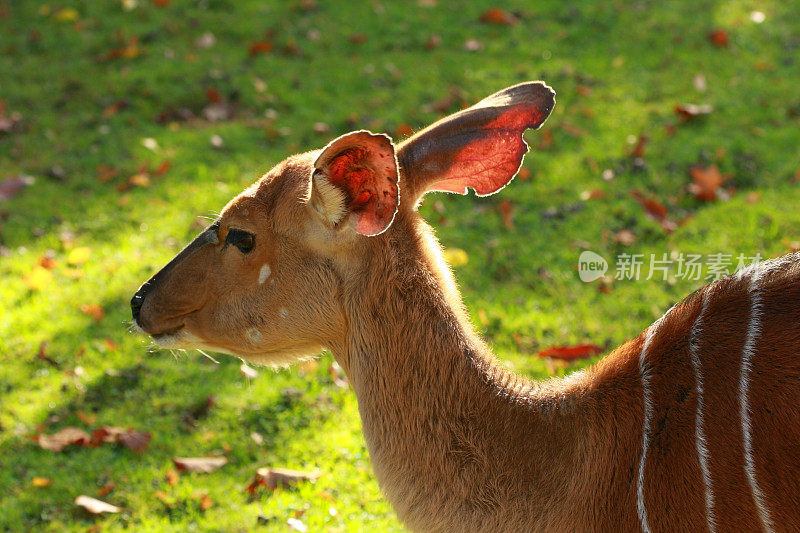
(253, 335)
(283, 313)
(264, 273)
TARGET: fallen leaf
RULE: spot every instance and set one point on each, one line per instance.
(718, 37)
(86, 418)
(78, 256)
(690, 111)
(135, 440)
(498, 16)
(571, 353)
(95, 506)
(47, 261)
(140, 179)
(42, 354)
(404, 130)
(473, 45)
(172, 477)
(625, 237)
(524, 174)
(248, 371)
(655, 210)
(65, 437)
(113, 109)
(705, 182)
(205, 502)
(162, 168)
(273, 478)
(111, 345)
(506, 210)
(638, 149)
(105, 489)
(357, 38)
(41, 481)
(93, 310)
(12, 186)
(37, 278)
(165, 498)
(592, 194)
(213, 96)
(198, 464)
(433, 41)
(260, 47)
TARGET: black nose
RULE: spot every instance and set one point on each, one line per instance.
(136, 305)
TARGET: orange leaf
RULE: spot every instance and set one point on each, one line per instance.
(85, 418)
(705, 183)
(719, 38)
(638, 150)
(162, 168)
(41, 481)
(93, 310)
(205, 502)
(172, 477)
(105, 489)
(571, 353)
(260, 47)
(655, 210)
(495, 15)
(47, 262)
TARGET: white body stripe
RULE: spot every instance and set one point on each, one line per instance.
(753, 331)
(700, 437)
(648, 413)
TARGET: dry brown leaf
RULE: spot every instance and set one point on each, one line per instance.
(404, 130)
(273, 478)
(172, 477)
(198, 464)
(135, 440)
(65, 437)
(95, 506)
(638, 149)
(705, 182)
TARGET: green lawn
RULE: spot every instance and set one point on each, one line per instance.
(104, 93)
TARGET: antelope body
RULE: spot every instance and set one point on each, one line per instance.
(694, 425)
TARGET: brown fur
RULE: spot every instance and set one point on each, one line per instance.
(458, 443)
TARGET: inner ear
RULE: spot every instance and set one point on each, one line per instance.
(356, 176)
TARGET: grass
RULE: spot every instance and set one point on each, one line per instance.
(619, 69)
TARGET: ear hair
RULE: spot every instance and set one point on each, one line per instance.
(327, 199)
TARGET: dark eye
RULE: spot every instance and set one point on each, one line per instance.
(243, 240)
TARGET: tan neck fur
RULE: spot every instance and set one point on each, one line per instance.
(454, 437)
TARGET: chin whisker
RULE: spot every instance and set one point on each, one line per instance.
(204, 353)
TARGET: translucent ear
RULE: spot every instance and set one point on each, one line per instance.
(479, 148)
(355, 180)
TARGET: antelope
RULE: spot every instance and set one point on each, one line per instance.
(693, 425)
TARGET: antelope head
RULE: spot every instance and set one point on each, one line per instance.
(269, 280)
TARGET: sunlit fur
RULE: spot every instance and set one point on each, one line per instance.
(457, 441)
